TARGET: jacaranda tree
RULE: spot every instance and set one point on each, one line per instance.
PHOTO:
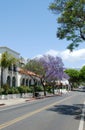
(54, 69)
(49, 68)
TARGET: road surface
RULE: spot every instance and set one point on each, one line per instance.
(66, 112)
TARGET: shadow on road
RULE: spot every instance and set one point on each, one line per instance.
(74, 110)
(79, 90)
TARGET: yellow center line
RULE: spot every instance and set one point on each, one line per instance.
(31, 113)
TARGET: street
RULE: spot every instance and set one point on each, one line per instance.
(64, 112)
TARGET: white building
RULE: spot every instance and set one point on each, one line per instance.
(14, 76)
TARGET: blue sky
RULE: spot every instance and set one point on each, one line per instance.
(29, 28)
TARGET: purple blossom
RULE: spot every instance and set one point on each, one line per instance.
(54, 67)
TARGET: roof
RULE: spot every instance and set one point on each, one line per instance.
(4, 47)
(26, 72)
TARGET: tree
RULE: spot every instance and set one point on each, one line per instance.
(37, 68)
(5, 61)
(53, 67)
(49, 68)
(71, 20)
(54, 70)
(74, 77)
(82, 74)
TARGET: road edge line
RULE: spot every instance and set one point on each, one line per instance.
(81, 124)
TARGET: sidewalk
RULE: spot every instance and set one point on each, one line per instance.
(9, 102)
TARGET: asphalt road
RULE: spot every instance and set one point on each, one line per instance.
(64, 112)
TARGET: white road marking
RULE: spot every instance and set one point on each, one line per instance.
(81, 124)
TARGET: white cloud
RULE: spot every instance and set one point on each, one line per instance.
(73, 59)
(52, 52)
(76, 55)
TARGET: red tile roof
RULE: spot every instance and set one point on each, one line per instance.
(26, 72)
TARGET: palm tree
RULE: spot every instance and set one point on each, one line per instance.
(6, 61)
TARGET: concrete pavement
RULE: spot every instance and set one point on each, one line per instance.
(14, 101)
(8, 102)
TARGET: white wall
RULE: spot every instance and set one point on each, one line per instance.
(10, 51)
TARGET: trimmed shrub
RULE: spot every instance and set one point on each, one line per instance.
(23, 89)
(13, 90)
(49, 89)
(1, 91)
(39, 88)
(5, 88)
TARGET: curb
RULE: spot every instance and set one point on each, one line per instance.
(29, 100)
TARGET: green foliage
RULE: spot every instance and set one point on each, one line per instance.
(74, 76)
(13, 90)
(49, 89)
(23, 89)
(39, 88)
(1, 91)
(5, 88)
(7, 60)
(71, 20)
(35, 66)
(73, 73)
(31, 89)
(9, 90)
(82, 74)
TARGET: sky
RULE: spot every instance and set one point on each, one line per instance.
(29, 27)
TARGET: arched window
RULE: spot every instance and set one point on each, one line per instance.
(23, 82)
(30, 82)
(9, 80)
(13, 81)
(26, 82)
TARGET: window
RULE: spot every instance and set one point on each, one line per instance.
(13, 81)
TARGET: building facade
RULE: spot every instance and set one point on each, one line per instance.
(14, 76)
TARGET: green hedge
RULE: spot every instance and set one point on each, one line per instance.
(1, 91)
(13, 90)
(22, 89)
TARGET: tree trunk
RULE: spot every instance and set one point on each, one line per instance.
(44, 86)
(2, 76)
(44, 90)
(33, 91)
(53, 90)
